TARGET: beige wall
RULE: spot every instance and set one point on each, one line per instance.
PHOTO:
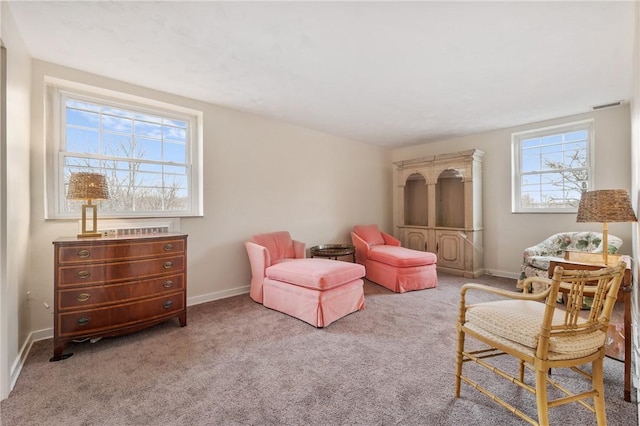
(507, 234)
(15, 227)
(260, 175)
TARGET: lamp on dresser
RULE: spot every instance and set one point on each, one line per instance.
(607, 205)
(88, 186)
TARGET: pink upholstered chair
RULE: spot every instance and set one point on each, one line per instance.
(317, 291)
(397, 268)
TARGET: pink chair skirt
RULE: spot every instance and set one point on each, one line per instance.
(317, 307)
(402, 279)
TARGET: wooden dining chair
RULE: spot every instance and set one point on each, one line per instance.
(541, 336)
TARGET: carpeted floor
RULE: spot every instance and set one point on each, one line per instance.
(240, 363)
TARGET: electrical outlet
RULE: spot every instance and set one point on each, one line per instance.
(28, 294)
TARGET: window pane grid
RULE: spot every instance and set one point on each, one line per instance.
(552, 168)
(132, 150)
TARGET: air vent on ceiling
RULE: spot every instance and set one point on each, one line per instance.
(609, 105)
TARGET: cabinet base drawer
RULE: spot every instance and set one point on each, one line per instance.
(100, 320)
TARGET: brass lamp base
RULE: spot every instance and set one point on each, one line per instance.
(90, 235)
(93, 232)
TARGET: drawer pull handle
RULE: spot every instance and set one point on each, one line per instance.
(167, 284)
(84, 253)
(83, 297)
(83, 321)
(167, 265)
(84, 274)
(168, 247)
(168, 304)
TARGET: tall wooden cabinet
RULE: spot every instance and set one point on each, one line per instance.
(438, 208)
(116, 285)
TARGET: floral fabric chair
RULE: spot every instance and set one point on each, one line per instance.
(535, 262)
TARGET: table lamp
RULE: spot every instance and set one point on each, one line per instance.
(607, 205)
(88, 186)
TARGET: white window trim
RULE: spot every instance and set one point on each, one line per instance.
(516, 140)
(57, 89)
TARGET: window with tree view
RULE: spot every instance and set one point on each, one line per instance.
(145, 154)
(551, 168)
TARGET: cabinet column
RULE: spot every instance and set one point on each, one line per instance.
(431, 212)
(468, 202)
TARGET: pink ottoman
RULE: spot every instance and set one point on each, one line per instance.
(317, 291)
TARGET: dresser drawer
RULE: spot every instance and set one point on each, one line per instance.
(115, 251)
(103, 319)
(94, 274)
(81, 298)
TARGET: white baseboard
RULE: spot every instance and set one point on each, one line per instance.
(18, 363)
(216, 295)
(46, 333)
(503, 274)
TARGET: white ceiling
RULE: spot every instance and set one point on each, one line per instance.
(385, 73)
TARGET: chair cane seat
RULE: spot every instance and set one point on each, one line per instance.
(519, 321)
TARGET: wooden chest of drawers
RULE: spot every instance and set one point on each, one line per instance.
(112, 286)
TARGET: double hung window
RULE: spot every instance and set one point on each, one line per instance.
(551, 168)
(149, 154)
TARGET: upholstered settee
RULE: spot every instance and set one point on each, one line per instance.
(317, 291)
(397, 268)
(535, 259)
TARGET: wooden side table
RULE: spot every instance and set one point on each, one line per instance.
(624, 294)
(333, 251)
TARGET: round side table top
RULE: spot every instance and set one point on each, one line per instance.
(332, 250)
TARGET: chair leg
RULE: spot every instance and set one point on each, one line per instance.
(598, 384)
(541, 397)
(459, 349)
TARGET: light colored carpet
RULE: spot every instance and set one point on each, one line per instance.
(240, 363)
